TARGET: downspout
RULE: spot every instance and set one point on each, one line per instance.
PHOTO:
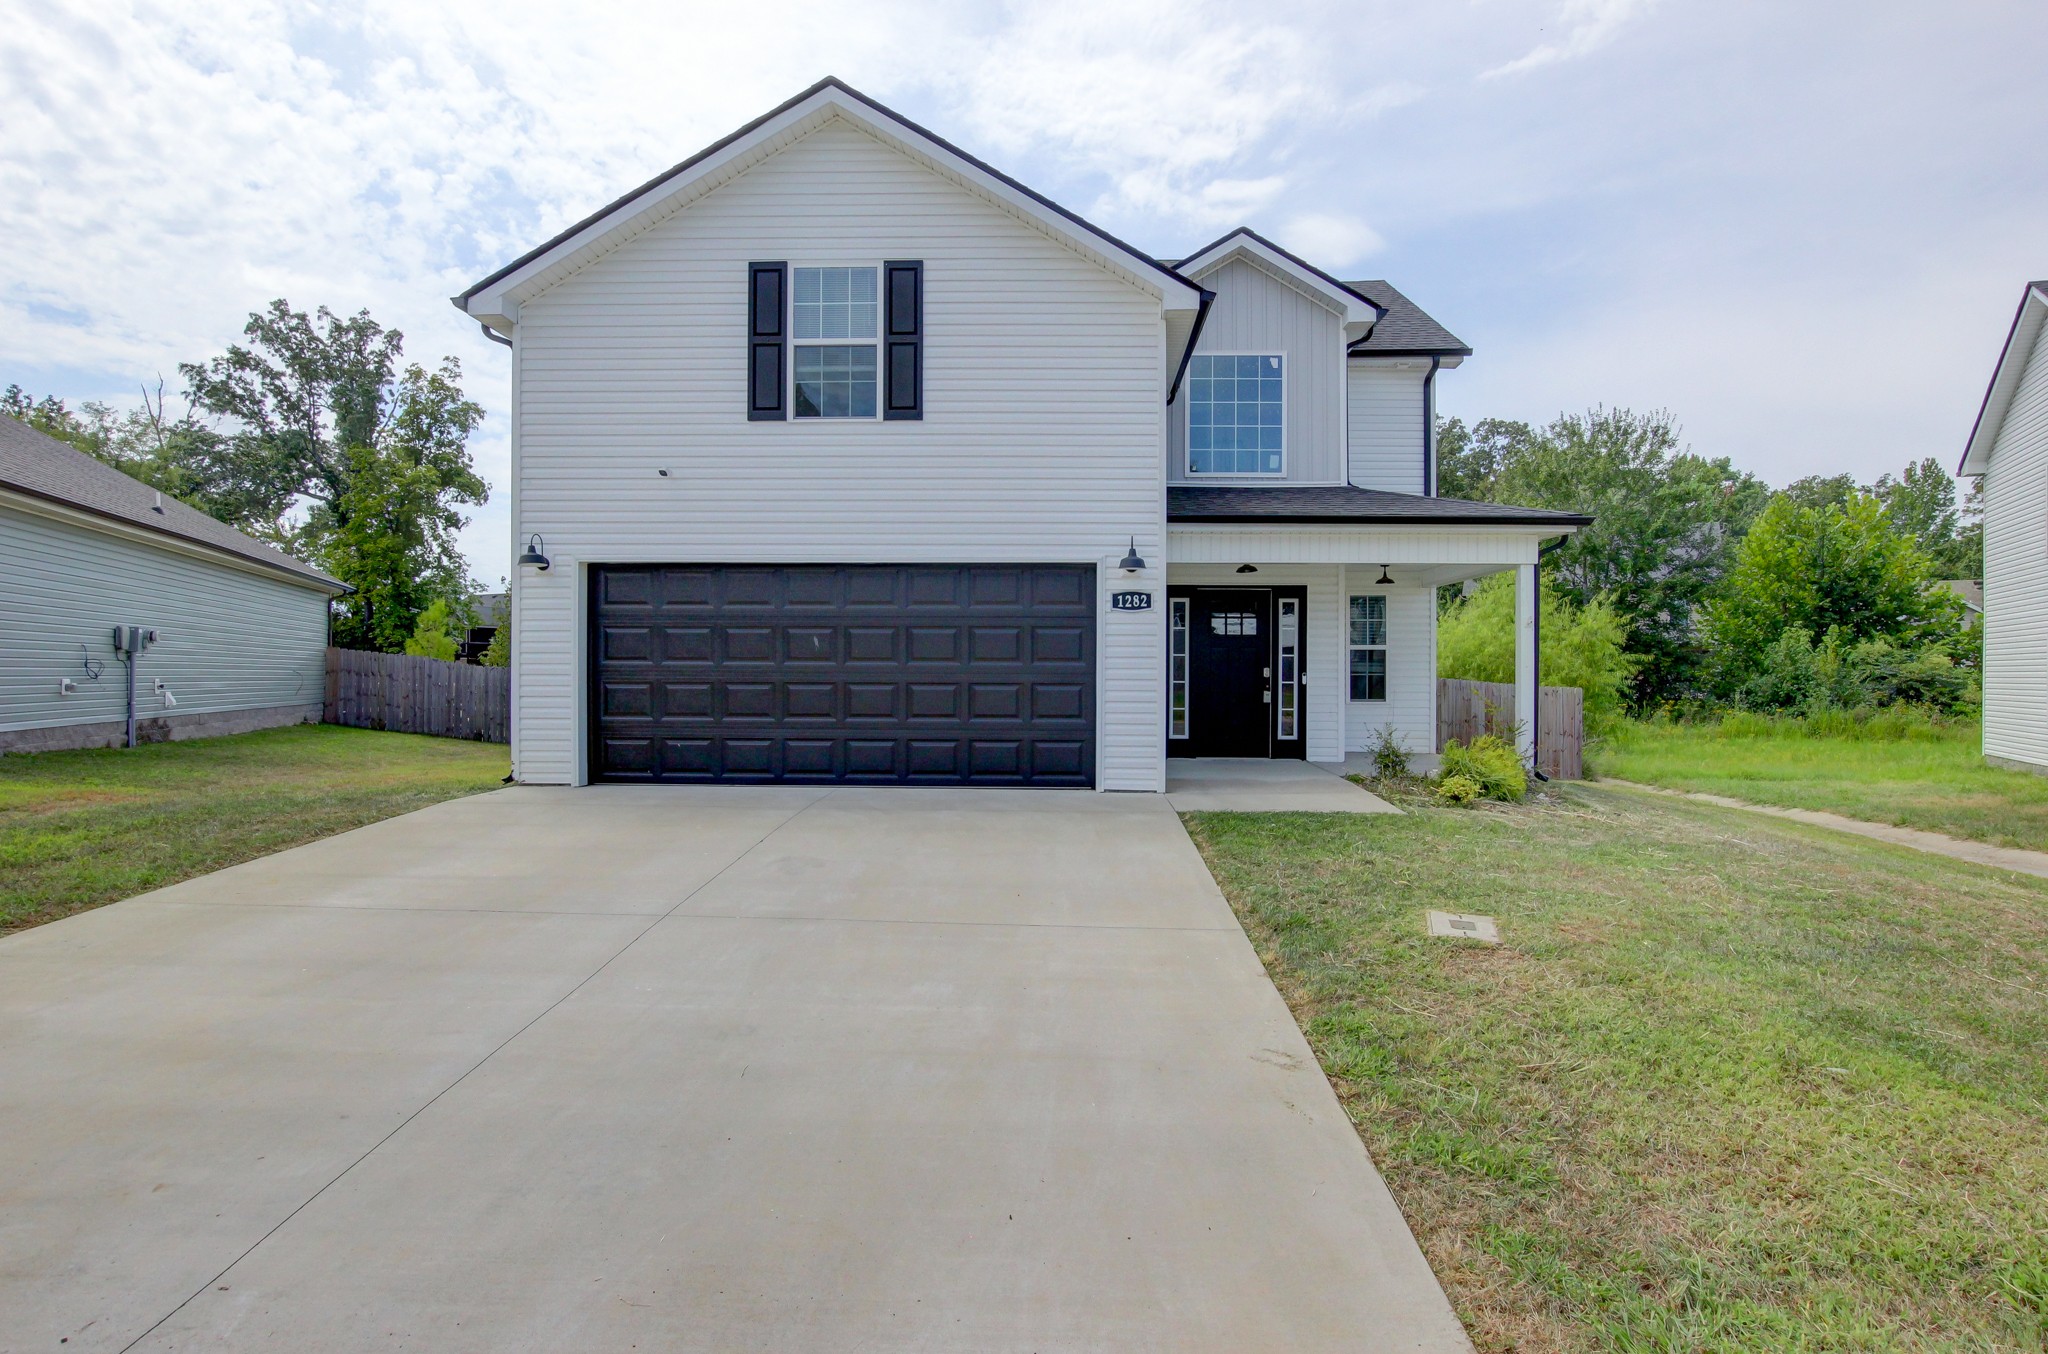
(1429, 430)
(1187, 354)
(493, 335)
(1536, 639)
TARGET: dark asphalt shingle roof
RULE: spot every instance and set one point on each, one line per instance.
(1340, 503)
(36, 464)
(1404, 328)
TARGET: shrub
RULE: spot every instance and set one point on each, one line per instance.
(498, 653)
(1582, 646)
(1797, 674)
(1490, 763)
(1389, 754)
(1459, 790)
(430, 637)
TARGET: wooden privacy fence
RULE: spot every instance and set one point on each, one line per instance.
(1465, 710)
(402, 694)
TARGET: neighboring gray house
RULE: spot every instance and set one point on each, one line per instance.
(839, 456)
(2008, 450)
(240, 629)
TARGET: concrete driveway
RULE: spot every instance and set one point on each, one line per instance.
(660, 1069)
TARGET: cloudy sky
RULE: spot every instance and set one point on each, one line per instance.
(1801, 227)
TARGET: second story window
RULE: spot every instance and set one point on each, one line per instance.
(833, 325)
(1235, 420)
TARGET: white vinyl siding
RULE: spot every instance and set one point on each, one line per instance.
(227, 639)
(1410, 705)
(1042, 439)
(1385, 411)
(1255, 312)
(2016, 573)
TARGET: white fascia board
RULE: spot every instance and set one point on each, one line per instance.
(2005, 381)
(497, 297)
(1358, 312)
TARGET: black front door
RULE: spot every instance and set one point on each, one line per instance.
(1230, 663)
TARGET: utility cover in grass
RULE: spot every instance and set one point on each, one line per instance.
(1463, 926)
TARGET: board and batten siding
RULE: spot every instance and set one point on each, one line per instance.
(1043, 436)
(1385, 415)
(1255, 312)
(2016, 574)
(227, 639)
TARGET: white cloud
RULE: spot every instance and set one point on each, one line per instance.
(1589, 25)
(1331, 240)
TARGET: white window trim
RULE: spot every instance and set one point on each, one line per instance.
(1178, 626)
(881, 323)
(1385, 648)
(1187, 425)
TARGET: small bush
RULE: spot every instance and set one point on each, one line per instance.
(1459, 790)
(1490, 763)
(1389, 754)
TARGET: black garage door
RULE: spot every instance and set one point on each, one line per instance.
(964, 674)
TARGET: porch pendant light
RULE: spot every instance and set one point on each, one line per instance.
(533, 557)
(1385, 579)
(1133, 562)
(1247, 568)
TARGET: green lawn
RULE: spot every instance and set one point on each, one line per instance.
(78, 829)
(1937, 782)
(1728, 1083)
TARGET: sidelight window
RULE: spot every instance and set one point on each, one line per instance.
(1177, 669)
(1369, 648)
(1288, 686)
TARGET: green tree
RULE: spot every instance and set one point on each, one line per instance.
(1665, 523)
(1841, 568)
(430, 637)
(1922, 503)
(145, 441)
(323, 419)
(1582, 646)
(1823, 491)
(498, 653)
(1469, 461)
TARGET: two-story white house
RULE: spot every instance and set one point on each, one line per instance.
(839, 456)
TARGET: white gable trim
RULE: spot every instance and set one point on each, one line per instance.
(495, 300)
(2020, 342)
(1358, 312)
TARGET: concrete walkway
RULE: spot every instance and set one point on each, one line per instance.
(672, 1069)
(1936, 843)
(1260, 785)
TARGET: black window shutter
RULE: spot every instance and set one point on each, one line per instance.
(767, 341)
(903, 339)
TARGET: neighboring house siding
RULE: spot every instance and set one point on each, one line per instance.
(1042, 437)
(1255, 312)
(228, 640)
(2016, 574)
(1386, 426)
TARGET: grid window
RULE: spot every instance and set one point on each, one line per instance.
(1177, 671)
(1290, 669)
(835, 380)
(1235, 423)
(1368, 648)
(835, 303)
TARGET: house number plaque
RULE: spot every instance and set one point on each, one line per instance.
(1130, 601)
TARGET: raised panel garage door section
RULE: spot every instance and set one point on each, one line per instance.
(967, 674)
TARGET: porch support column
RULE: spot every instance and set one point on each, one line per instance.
(1527, 670)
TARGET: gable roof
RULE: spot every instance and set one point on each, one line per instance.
(2005, 378)
(1404, 330)
(1346, 503)
(495, 296)
(41, 466)
(1356, 307)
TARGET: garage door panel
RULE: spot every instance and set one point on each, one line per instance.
(870, 674)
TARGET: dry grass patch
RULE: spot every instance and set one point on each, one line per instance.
(1728, 1083)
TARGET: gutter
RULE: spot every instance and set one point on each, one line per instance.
(1429, 428)
(1187, 354)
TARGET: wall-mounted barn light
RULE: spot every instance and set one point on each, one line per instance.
(1133, 561)
(533, 556)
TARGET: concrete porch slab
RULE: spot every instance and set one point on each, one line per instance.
(1259, 785)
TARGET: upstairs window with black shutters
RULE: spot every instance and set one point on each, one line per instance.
(835, 318)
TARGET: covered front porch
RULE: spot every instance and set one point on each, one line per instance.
(1294, 632)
